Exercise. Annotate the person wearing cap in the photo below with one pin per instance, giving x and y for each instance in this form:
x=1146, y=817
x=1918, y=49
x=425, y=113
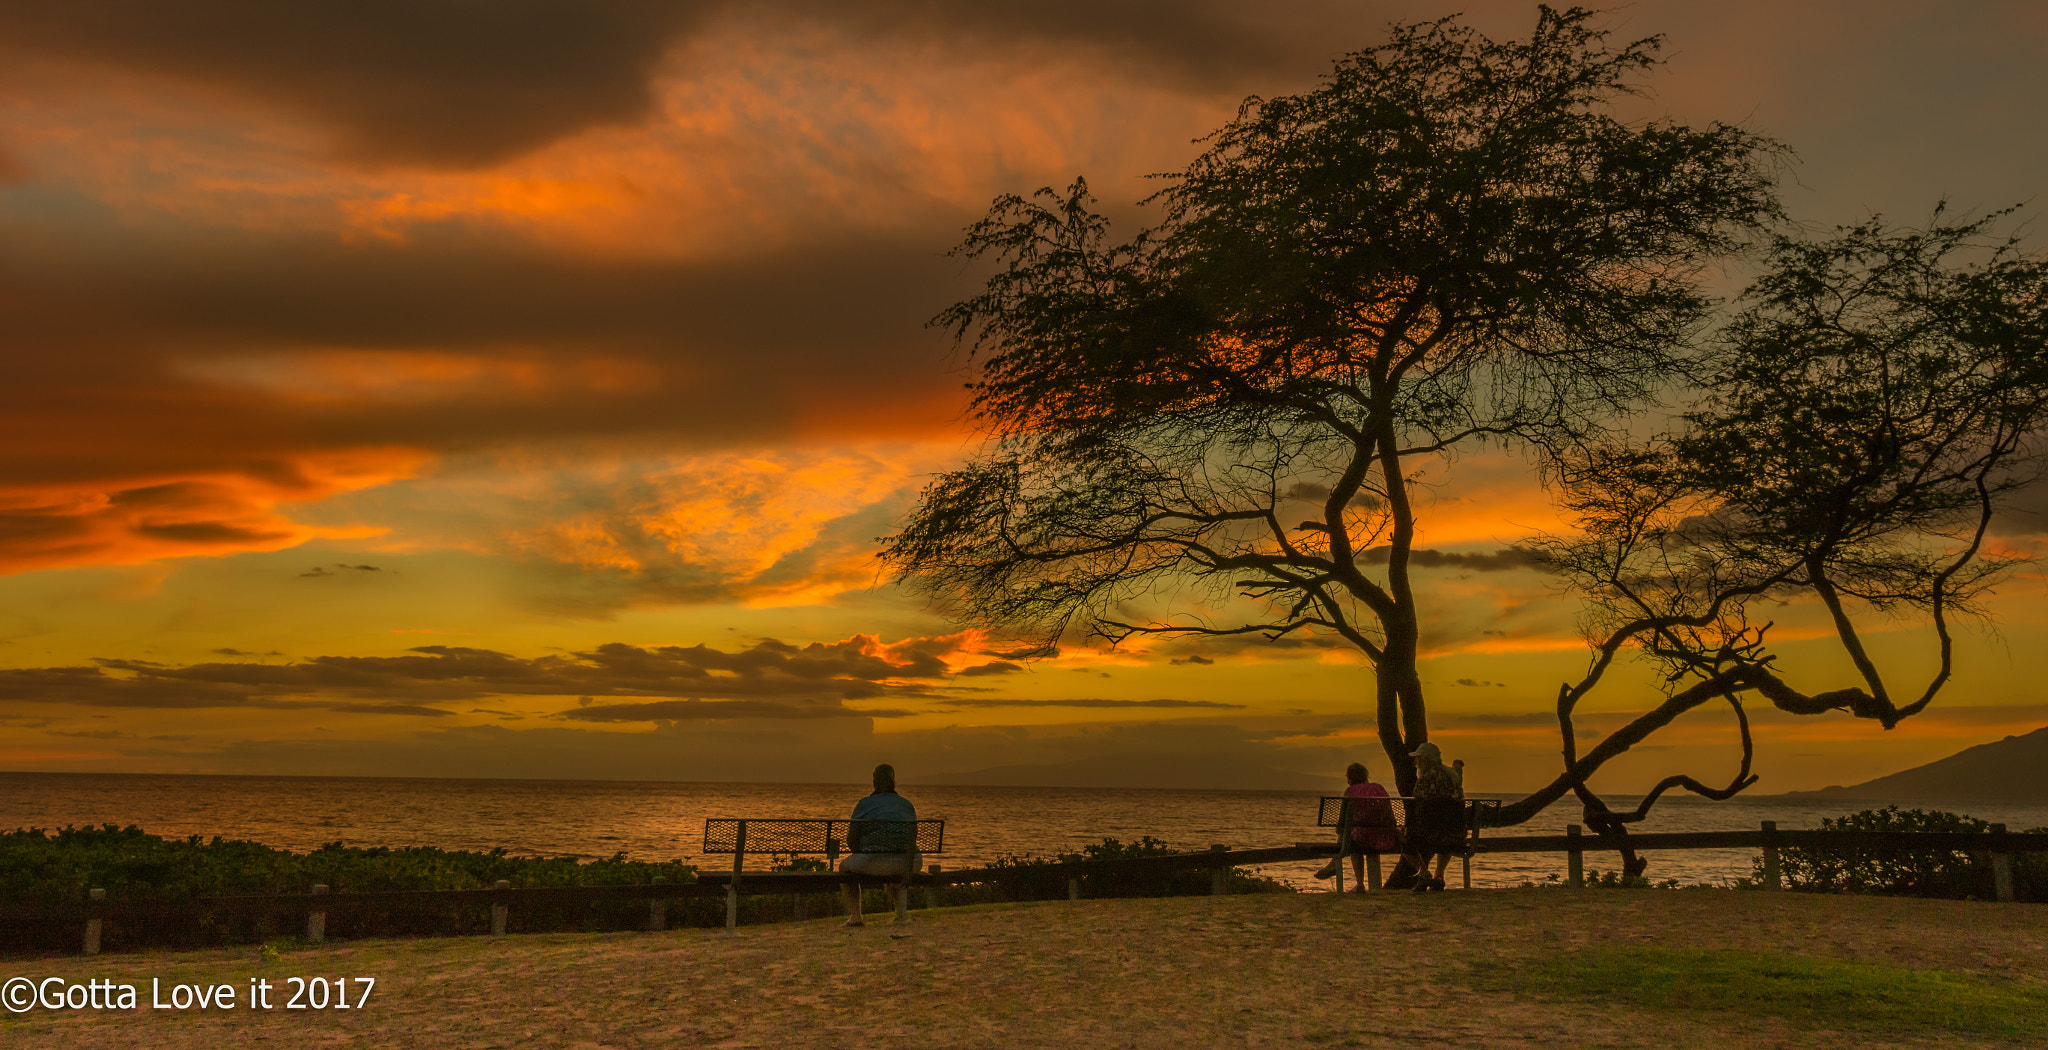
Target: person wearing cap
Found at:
x=1436, y=817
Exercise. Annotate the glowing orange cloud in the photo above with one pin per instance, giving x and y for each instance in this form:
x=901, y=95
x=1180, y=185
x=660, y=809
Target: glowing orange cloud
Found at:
x=145, y=518
x=764, y=527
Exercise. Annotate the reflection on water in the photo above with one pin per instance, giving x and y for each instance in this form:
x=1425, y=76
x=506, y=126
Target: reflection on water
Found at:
x=657, y=821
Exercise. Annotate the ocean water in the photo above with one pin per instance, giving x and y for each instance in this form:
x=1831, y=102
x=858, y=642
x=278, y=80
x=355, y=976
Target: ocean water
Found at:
x=662, y=821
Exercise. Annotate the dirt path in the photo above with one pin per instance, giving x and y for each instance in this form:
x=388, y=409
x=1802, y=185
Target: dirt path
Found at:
x=1278, y=970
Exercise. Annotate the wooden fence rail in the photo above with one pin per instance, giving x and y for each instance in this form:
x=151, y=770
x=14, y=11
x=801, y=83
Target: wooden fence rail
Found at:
x=314, y=907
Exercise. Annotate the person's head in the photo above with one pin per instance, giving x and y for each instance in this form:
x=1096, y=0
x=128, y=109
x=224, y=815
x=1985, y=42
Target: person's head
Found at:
x=885, y=778
x=1355, y=773
x=1427, y=755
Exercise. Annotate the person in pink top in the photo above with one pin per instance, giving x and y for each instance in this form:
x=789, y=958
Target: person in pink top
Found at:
x=1372, y=824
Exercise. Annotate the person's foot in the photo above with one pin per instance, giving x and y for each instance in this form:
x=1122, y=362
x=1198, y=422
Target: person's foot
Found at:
x=1436, y=884
x=1328, y=871
x=1421, y=885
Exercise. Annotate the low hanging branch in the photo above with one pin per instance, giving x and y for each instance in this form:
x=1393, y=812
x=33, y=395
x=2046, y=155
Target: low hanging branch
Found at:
x=1866, y=415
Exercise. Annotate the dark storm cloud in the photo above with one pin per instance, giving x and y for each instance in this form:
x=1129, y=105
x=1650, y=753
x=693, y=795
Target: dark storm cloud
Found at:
x=437, y=81
x=719, y=353
x=167, y=688
x=697, y=710
x=994, y=667
x=452, y=83
x=770, y=679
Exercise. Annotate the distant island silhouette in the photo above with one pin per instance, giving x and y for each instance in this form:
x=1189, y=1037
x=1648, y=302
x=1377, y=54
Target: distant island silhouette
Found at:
x=2011, y=770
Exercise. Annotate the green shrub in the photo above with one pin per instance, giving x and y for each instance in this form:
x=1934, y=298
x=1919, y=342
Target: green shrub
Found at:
x=40, y=867
x=1041, y=878
x=44, y=879
x=1904, y=872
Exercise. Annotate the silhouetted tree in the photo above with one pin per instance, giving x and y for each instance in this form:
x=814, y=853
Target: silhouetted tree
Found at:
x=1857, y=424
x=1452, y=241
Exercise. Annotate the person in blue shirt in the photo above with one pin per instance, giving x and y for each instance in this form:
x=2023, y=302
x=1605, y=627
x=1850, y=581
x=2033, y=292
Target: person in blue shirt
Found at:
x=882, y=841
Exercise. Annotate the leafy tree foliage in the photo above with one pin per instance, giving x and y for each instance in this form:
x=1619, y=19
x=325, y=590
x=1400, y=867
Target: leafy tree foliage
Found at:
x=1453, y=241
x=1450, y=240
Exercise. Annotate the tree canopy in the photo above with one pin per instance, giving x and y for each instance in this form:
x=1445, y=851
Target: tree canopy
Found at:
x=1453, y=241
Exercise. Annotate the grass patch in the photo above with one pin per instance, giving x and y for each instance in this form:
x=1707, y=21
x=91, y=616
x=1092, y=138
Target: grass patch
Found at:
x=1804, y=991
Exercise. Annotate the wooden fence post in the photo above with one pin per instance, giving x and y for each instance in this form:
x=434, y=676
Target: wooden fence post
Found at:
x=1372, y=871
x=732, y=890
x=657, y=908
x=1575, y=858
x=2001, y=867
x=1073, y=887
x=96, y=901
x=316, y=917
x=1219, y=876
x=931, y=889
x=499, y=906
x=1772, y=879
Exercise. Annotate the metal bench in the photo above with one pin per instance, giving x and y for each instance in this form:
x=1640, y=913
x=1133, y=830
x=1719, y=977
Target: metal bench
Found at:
x=1340, y=812
x=791, y=837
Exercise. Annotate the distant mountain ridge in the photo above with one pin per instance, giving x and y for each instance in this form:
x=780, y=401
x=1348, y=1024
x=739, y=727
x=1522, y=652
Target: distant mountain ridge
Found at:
x=2011, y=770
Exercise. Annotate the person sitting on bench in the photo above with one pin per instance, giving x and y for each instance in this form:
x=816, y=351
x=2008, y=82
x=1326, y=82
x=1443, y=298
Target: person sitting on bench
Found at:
x=879, y=849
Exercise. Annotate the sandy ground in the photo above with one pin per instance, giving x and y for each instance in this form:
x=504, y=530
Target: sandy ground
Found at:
x=1388, y=969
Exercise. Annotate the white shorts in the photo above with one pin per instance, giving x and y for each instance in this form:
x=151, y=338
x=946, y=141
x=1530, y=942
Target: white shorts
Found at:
x=880, y=863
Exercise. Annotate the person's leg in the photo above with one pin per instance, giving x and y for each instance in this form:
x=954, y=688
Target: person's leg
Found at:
x=849, y=892
x=1443, y=860
x=1358, y=871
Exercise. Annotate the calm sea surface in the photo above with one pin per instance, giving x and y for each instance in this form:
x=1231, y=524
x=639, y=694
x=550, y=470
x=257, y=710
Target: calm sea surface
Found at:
x=660, y=821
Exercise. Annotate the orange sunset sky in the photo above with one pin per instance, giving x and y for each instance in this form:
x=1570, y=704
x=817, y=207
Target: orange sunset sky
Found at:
x=518, y=389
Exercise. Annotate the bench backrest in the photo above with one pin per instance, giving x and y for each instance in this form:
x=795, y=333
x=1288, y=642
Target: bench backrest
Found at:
x=830, y=837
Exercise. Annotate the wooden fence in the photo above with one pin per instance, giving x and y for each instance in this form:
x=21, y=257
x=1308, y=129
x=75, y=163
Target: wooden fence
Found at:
x=313, y=908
